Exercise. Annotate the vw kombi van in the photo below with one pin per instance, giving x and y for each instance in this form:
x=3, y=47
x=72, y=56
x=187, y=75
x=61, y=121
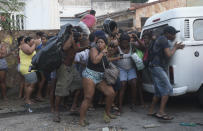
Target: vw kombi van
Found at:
x=185, y=69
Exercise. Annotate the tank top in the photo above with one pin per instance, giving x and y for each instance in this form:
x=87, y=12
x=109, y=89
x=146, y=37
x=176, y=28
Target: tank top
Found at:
x=98, y=67
x=125, y=63
x=25, y=61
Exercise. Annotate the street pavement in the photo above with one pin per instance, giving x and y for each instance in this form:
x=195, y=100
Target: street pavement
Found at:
x=13, y=117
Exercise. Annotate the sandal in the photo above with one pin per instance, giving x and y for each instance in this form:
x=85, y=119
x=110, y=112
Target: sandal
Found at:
x=39, y=99
x=85, y=123
x=115, y=108
x=107, y=119
x=56, y=118
x=118, y=113
x=164, y=117
x=153, y=114
x=112, y=116
x=91, y=109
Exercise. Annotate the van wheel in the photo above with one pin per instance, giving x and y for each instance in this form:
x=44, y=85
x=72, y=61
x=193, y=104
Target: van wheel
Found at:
x=200, y=96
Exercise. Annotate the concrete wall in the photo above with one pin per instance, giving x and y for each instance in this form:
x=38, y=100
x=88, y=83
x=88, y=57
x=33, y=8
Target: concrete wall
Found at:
x=194, y=3
x=13, y=77
x=42, y=15
x=156, y=8
x=68, y=8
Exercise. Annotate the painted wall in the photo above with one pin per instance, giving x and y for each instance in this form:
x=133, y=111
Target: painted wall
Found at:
x=42, y=15
x=68, y=8
x=156, y=8
x=110, y=7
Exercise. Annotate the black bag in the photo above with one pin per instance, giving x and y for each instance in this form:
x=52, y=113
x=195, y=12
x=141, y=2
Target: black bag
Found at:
x=148, y=55
x=50, y=57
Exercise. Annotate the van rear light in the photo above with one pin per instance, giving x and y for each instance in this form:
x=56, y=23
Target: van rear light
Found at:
x=156, y=20
x=171, y=74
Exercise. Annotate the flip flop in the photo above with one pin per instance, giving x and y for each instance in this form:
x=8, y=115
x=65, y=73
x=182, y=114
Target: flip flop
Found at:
x=164, y=117
x=85, y=123
x=153, y=114
x=56, y=118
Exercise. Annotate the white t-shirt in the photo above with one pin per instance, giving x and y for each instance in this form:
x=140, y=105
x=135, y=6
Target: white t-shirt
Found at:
x=82, y=56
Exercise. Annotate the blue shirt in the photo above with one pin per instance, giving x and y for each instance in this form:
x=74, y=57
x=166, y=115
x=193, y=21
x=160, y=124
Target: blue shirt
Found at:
x=160, y=58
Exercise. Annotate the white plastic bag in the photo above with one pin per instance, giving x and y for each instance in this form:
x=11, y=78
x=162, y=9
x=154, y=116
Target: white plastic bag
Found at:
x=138, y=61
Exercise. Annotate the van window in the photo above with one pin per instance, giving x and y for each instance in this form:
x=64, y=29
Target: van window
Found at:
x=157, y=31
x=198, y=30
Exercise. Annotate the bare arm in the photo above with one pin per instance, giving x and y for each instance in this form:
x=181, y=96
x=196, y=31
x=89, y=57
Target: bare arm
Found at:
x=95, y=56
x=170, y=52
x=114, y=58
x=27, y=49
x=82, y=48
x=68, y=43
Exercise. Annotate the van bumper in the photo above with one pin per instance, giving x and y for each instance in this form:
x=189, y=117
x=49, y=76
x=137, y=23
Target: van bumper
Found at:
x=176, y=91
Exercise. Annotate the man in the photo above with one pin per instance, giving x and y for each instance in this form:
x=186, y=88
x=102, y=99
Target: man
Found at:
x=87, y=22
x=161, y=51
x=68, y=78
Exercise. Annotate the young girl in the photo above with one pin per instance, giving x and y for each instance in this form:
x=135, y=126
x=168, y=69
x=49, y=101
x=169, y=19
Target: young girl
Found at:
x=127, y=70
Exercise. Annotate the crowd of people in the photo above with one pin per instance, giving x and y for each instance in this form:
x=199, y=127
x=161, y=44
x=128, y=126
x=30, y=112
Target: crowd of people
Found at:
x=81, y=74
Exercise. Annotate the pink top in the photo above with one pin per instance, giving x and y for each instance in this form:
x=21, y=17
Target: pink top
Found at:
x=89, y=20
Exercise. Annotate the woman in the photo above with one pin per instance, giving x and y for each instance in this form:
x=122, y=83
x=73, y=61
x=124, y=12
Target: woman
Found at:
x=27, y=51
x=3, y=69
x=22, y=81
x=92, y=76
x=127, y=70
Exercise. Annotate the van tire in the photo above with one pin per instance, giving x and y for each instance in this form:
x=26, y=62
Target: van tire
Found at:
x=200, y=96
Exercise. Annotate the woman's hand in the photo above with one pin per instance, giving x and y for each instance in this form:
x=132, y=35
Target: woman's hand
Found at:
x=104, y=51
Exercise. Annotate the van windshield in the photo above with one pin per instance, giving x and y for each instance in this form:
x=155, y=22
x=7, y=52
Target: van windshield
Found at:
x=198, y=30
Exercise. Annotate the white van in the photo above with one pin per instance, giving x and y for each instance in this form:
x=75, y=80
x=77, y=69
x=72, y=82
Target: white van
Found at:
x=185, y=68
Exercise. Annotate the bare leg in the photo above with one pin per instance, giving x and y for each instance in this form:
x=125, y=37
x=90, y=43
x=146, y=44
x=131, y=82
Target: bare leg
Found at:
x=22, y=85
x=52, y=94
x=164, y=100
x=109, y=93
x=3, y=84
x=139, y=83
x=75, y=100
x=152, y=106
x=133, y=90
x=28, y=92
x=89, y=89
x=41, y=85
x=121, y=94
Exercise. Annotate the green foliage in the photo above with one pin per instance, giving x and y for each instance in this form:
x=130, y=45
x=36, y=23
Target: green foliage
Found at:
x=139, y=1
x=7, y=8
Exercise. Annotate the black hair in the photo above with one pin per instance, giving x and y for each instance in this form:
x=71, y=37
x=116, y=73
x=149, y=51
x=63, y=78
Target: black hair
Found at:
x=92, y=12
x=124, y=36
x=92, y=37
x=19, y=39
x=45, y=35
x=40, y=33
x=103, y=38
x=148, y=34
x=28, y=39
x=112, y=25
x=78, y=29
x=120, y=31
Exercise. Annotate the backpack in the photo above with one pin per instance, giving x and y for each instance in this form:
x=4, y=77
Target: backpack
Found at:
x=50, y=57
x=148, y=55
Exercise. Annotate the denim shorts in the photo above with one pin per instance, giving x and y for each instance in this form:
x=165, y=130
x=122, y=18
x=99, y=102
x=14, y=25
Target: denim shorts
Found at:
x=162, y=85
x=31, y=77
x=95, y=76
x=126, y=75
